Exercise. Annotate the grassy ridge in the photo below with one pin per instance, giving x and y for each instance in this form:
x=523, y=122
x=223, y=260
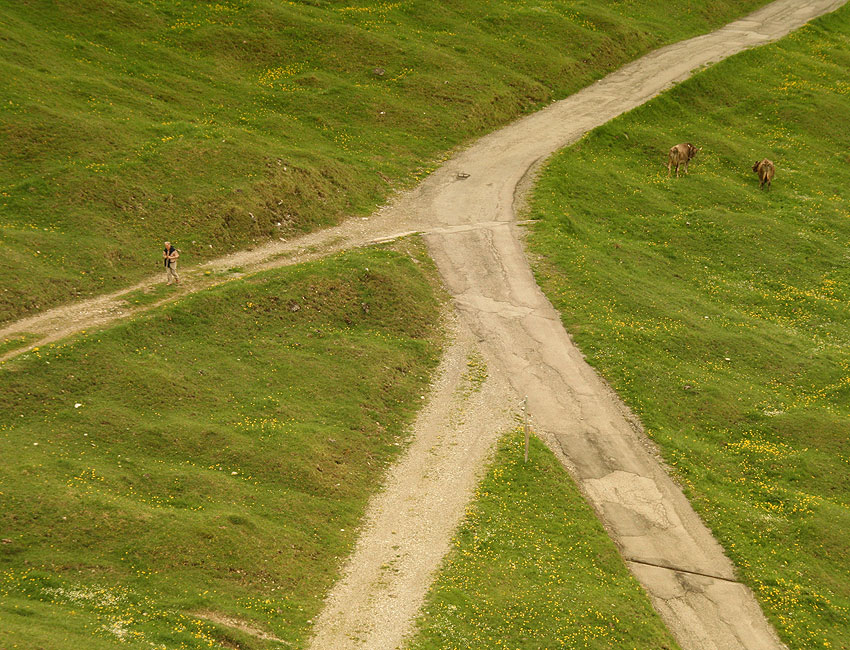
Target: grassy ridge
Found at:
x=215, y=124
x=210, y=459
x=533, y=568
x=720, y=313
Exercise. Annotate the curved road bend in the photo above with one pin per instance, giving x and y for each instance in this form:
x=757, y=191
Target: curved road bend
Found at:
x=477, y=248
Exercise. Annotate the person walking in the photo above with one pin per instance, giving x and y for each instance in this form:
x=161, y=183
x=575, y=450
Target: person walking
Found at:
x=169, y=259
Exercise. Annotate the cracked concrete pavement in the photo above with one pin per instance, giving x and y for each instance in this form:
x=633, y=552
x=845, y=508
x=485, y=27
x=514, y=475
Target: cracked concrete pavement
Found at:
x=665, y=544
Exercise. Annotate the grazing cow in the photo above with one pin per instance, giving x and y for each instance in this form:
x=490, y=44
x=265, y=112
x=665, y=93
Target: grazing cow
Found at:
x=765, y=169
x=680, y=154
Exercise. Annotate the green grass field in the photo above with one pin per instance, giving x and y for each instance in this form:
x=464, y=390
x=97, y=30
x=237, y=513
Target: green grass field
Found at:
x=14, y=342
x=216, y=124
x=212, y=458
x=532, y=568
x=720, y=312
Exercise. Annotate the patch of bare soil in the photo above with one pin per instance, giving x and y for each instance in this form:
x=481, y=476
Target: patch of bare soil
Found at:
x=238, y=624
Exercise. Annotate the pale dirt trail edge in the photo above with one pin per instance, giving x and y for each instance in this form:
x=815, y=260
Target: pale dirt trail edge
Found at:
x=469, y=225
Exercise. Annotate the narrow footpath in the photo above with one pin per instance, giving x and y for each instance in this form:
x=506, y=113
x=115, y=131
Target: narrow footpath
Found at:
x=467, y=212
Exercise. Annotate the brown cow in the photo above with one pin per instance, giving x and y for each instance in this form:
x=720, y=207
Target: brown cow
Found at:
x=680, y=154
x=765, y=169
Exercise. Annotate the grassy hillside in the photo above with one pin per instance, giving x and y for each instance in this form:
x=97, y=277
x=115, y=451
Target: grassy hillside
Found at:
x=215, y=124
x=533, y=568
x=209, y=460
x=720, y=312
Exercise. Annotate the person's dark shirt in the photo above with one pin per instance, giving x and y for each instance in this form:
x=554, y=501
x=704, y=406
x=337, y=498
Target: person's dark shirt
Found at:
x=168, y=251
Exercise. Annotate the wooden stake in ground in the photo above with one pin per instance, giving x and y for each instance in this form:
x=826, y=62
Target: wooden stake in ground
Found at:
x=525, y=424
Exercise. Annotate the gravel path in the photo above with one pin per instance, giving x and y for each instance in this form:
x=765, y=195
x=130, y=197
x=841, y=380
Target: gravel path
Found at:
x=470, y=208
x=409, y=525
x=467, y=211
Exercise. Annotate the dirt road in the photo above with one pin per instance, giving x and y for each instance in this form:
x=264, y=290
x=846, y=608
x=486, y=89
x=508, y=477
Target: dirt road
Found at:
x=410, y=523
x=469, y=206
x=467, y=210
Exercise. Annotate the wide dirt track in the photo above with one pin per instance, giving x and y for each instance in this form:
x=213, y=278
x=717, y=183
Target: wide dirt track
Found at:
x=467, y=211
x=474, y=239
